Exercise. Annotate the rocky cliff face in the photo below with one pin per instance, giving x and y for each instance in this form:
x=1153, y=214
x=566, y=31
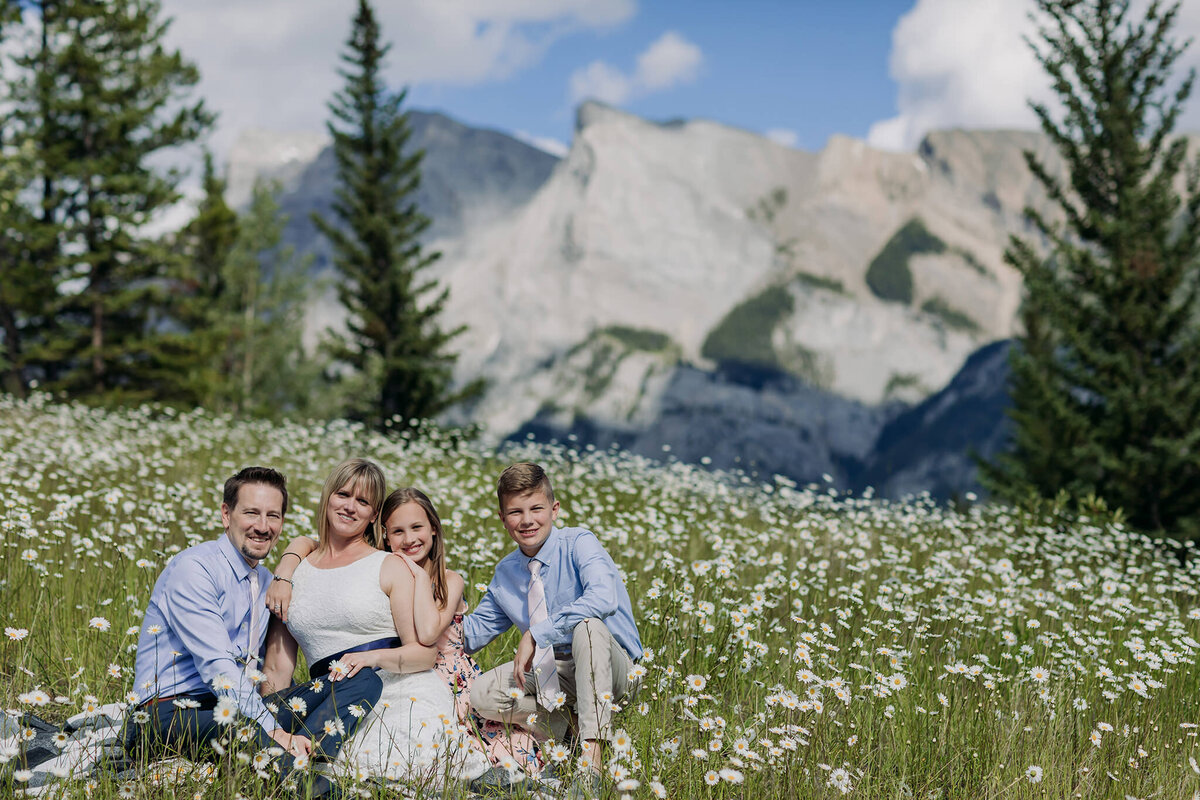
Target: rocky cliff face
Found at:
x=767, y=422
x=758, y=420
x=867, y=274
x=700, y=287
x=932, y=447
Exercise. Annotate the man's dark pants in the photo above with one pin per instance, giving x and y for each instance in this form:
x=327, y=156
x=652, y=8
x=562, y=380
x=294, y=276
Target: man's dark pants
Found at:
x=174, y=730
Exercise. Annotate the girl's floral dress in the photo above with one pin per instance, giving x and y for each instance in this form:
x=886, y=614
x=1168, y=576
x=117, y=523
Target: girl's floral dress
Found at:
x=459, y=671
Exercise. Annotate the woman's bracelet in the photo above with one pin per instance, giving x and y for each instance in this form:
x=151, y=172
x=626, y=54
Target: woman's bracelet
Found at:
x=281, y=578
x=297, y=555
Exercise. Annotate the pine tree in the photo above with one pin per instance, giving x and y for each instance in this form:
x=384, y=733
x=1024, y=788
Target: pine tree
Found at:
x=1106, y=381
x=27, y=284
x=205, y=244
x=100, y=97
x=262, y=313
x=239, y=303
x=190, y=359
x=27, y=288
x=393, y=307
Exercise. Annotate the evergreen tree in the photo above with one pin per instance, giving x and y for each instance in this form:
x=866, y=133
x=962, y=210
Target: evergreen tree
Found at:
x=205, y=243
x=239, y=302
x=262, y=313
x=27, y=285
x=27, y=289
x=393, y=307
x=1106, y=381
x=190, y=358
x=101, y=96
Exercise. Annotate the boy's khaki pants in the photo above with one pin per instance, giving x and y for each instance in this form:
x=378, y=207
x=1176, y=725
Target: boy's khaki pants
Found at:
x=595, y=677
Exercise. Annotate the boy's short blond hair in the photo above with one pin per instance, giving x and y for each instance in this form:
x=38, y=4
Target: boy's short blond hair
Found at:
x=523, y=478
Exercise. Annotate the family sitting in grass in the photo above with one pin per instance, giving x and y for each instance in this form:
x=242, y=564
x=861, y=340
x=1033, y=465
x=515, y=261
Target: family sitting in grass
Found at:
x=393, y=692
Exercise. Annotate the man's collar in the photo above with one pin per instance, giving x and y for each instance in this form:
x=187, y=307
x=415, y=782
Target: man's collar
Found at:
x=237, y=562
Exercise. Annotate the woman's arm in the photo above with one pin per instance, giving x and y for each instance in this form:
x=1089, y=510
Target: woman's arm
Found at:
x=279, y=593
x=429, y=620
x=279, y=662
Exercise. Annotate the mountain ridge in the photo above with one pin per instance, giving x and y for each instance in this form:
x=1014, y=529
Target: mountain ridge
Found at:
x=626, y=291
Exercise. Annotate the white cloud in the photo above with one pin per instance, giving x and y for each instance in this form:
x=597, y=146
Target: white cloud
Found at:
x=547, y=144
x=960, y=63
x=783, y=136
x=271, y=63
x=601, y=81
x=669, y=61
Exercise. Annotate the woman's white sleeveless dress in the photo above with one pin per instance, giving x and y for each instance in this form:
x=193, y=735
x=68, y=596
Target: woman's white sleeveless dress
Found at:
x=412, y=734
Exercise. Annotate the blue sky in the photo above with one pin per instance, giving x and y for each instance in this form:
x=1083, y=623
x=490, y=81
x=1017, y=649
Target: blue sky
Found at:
x=814, y=68
x=799, y=70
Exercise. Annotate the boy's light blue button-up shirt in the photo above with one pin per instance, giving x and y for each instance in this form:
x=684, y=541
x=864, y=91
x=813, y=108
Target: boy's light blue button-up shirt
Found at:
x=197, y=628
x=581, y=582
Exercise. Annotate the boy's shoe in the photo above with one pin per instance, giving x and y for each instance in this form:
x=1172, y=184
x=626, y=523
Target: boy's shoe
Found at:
x=496, y=782
x=585, y=786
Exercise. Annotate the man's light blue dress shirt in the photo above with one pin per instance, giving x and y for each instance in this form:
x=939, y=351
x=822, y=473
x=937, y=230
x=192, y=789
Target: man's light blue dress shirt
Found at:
x=581, y=582
x=197, y=628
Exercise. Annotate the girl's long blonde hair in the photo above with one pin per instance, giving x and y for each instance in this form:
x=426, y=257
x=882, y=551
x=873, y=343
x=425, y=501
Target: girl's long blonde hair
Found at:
x=435, y=562
x=364, y=475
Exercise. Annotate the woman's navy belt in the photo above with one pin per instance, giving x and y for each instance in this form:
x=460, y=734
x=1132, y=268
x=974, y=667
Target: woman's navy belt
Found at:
x=320, y=668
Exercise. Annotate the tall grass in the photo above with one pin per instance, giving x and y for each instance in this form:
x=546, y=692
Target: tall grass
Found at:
x=799, y=643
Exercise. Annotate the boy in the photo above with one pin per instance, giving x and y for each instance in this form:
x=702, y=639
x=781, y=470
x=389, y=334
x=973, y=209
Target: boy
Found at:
x=579, y=643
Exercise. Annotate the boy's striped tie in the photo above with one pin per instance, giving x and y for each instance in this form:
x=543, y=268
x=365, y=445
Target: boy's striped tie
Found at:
x=543, y=657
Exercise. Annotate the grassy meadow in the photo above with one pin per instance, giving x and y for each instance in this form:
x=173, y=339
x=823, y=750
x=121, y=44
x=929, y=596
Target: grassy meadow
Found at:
x=800, y=643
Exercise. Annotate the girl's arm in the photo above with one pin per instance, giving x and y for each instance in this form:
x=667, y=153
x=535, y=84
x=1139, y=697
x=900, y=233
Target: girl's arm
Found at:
x=279, y=593
x=397, y=583
x=454, y=596
x=429, y=620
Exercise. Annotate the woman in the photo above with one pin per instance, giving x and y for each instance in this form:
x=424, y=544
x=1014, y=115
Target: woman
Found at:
x=350, y=601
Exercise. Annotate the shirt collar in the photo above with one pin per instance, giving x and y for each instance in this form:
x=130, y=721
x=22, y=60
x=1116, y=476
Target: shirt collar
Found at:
x=235, y=559
x=546, y=551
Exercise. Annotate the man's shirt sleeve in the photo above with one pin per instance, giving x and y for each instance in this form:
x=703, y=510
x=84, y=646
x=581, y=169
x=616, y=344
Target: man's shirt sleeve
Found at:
x=190, y=605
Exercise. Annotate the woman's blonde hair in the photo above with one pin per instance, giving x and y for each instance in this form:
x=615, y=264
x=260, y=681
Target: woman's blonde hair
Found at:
x=435, y=562
x=363, y=475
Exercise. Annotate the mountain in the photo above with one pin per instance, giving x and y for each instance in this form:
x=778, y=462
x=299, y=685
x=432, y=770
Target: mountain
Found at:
x=699, y=288
x=867, y=274
x=768, y=423
x=762, y=421
x=469, y=176
x=932, y=446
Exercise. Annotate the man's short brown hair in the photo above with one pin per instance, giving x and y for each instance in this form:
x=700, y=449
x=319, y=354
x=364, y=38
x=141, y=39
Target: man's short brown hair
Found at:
x=263, y=475
x=523, y=478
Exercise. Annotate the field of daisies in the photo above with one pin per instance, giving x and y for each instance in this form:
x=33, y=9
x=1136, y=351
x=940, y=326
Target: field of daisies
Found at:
x=799, y=643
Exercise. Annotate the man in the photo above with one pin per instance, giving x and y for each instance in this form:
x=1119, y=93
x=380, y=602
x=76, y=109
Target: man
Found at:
x=201, y=639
